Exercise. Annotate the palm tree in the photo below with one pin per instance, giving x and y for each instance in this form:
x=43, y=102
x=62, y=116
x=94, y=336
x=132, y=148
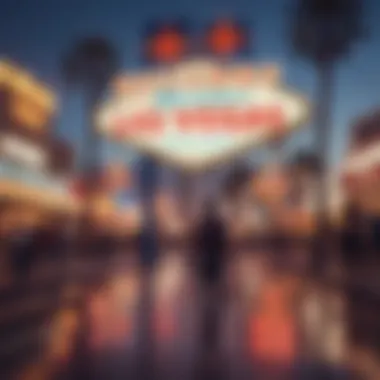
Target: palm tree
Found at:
x=323, y=32
x=89, y=65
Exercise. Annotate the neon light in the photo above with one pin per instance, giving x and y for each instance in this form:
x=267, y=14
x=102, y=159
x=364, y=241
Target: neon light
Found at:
x=150, y=122
x=212, y=98
x=229, y=120
x=204, y=120
x=200, y=112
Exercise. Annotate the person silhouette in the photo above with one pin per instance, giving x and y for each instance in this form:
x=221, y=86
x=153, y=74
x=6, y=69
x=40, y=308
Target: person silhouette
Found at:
x=23, y=249
x=211, y=246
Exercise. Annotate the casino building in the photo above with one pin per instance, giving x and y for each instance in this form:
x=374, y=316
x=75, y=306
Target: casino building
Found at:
x=361, y=177
x=35, y=166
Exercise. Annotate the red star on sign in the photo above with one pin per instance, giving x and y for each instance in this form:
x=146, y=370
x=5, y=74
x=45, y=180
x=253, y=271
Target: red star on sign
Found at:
x=225, y=38
x=167, y=46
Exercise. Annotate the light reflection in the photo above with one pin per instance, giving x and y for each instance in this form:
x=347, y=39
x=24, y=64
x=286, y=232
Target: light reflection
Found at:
x=169, y=282
x=63, y=329
x=268, y=311
x=112, y=312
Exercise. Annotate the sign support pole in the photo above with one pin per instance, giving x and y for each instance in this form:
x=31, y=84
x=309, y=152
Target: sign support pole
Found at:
x=148, y=251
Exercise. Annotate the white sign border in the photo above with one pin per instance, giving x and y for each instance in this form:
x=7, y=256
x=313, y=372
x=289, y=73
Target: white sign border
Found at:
x=173, y=160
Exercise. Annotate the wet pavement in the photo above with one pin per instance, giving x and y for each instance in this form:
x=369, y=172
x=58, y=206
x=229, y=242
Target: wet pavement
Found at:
x=270, y=321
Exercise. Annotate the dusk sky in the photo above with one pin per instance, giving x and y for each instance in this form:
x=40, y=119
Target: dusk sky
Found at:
x=36, y=33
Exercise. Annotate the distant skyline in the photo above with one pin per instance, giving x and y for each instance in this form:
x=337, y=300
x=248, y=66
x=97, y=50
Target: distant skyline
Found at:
x=36, y=33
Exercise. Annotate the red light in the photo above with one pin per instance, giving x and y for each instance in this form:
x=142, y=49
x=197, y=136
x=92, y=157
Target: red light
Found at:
x=225, y=38
x=167, y=46
x=273, y=339
x=164, y=325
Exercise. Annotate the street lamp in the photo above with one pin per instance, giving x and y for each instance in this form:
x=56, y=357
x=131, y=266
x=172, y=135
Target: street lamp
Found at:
x=323, y=32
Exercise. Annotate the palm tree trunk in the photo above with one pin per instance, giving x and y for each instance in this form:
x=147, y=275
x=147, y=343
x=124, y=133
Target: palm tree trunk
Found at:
x=90, y=149
x=148, y=177
x=323, y=133
x=91, y=146
x=89, y=160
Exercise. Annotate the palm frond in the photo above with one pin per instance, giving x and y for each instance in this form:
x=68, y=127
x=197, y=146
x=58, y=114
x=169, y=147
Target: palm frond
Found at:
x=92, y=58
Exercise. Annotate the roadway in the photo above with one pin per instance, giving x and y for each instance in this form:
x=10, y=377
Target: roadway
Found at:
x=274, y=322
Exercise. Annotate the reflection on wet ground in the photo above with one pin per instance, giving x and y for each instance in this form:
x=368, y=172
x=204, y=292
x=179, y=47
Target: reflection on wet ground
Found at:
x=272, y=324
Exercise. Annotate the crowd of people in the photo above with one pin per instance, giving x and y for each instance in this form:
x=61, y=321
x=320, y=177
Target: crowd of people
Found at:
x=357, y=240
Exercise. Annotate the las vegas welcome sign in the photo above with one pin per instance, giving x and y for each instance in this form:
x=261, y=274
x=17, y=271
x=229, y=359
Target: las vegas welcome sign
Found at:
x=200, y=113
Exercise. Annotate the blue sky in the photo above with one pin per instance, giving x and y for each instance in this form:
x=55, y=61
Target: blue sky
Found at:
x=36, y=33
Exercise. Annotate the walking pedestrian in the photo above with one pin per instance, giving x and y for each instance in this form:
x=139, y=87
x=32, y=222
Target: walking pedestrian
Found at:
x=211, y=246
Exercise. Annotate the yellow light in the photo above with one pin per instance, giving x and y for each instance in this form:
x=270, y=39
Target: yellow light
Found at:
x=25, y=113
x=33, y=103
x=63, y=329
x=102, y=206
x=13, y=190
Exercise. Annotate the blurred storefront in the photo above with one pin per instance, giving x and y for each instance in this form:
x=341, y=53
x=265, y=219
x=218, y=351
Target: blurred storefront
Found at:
x=35, y=166
x=122, y=193
x=361, y=177
x=37, y=211
x=294, y=213
x=361, y=167
x=112, y=208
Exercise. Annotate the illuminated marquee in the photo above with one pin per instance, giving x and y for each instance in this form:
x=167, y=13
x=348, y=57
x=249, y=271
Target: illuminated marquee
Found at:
x=31, y=103
x=10, y=171
x=198, y=113
x=205, y=120
x=22, y=151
